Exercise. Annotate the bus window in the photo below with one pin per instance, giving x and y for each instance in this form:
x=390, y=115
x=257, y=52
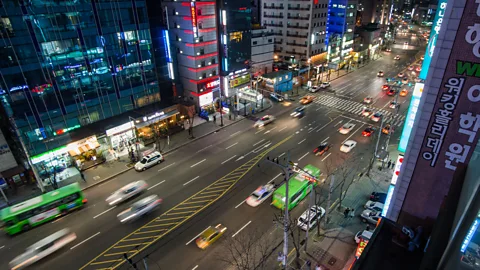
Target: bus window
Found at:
x=295, y=197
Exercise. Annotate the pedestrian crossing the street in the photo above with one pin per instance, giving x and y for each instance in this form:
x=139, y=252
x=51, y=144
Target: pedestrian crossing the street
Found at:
x=354, y=107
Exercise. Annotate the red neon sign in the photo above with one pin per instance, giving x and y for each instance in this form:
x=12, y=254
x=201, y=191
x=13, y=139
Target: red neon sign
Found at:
x=213, y=84
x=193, y=11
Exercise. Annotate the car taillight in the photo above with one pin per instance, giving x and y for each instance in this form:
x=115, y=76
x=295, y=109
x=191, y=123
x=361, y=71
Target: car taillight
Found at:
x=84, y=200
x=316, y=150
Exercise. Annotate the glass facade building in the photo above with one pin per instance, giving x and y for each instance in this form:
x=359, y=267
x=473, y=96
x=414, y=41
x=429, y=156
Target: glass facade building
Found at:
x=67, y=64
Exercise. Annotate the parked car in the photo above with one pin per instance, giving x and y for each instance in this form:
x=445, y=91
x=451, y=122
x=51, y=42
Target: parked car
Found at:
x=314, y=89
x=400, y=75
x=316, y=213
x=370, y=216
x=149, y=161
x=324, y=85
x=365, y=235
x=377, y=206
x=378, y=197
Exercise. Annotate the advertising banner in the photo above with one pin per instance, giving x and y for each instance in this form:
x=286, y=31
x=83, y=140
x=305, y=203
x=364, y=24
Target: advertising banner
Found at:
x=240, y=80
x=432, y=41
x=409, y=120
x=452, y=132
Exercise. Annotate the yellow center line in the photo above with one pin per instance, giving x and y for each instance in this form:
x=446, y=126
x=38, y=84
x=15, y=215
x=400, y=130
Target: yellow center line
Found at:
x=213, y=191
x=188, y=207
x=118, y=253
x=174, y=218
x=201, y=197
x=133, y=245
x=181, y=213
x=154, y=231
x=139, y=238
x=198, y=201
x=251, y=163
x=222, y=186
x=163, y=224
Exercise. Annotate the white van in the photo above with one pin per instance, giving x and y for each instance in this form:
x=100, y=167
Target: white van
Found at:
x=43, y=248
x=365, y=235
x=149, y=160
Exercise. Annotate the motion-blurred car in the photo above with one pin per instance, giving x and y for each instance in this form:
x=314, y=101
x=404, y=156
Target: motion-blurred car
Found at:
x=403, y=93
x=43, y=248
x=260, y=195
x=310, y=221
x=321, y=149
x=370, y=216
x=307, y=99
x=276, y=97
x=410, y=68
x=386, y=87
x=347, y=146
x=393, y=105
x=367, y=100
x=368, y=131
x=149, y=161
x=139, y=208
x=397, y=57
x=376, y=117
x=378, y=197
x=386, y=129
x=366, y=112
x=388, y=50
x=265, y=120
x=380, y=74
x=346, y=128
x=298, y=112
x=127, y=192
x=400, y=75
x=314, y=89
x=391, y=92
x=210, y=235
x=377, y=206
x=324, y=85
x=362, y=235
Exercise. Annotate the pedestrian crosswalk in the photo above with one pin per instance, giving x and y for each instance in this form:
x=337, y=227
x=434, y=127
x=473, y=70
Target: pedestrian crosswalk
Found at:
x=354, y=107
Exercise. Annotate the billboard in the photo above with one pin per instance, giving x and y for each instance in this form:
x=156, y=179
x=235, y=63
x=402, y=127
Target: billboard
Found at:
x=409, y=120
x=452, y=131
x=432, y=41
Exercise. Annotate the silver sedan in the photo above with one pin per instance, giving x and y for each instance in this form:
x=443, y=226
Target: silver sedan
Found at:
x=127, y=192
x=139, y=208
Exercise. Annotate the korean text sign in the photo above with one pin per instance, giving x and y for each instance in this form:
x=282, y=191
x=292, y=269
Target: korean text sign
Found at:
x=452, y=132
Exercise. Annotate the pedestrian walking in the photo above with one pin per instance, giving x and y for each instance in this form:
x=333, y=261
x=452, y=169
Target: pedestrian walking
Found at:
x=345, y=213
x=393, y=165
x=389, y=164
x=83, y=177
x=318, y=267
x=352, y=213
x=309, y=264
x=215, y=119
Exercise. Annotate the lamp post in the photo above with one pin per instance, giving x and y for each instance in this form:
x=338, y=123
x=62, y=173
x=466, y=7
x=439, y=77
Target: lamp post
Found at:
x=309, y=64
x=132, y=122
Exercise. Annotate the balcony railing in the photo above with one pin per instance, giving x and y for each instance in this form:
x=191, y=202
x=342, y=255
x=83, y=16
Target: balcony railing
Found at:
x=292, y=52
x=297, y=44
x=298, y=8
x=296, y=35
x=298, y=18
x=274, y=24
x=272, y=16
x=273, y=7
x=297, y=26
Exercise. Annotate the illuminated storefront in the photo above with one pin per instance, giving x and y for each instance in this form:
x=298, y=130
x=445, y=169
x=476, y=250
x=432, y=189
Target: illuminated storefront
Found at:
x=157, y=125
x=121, y=136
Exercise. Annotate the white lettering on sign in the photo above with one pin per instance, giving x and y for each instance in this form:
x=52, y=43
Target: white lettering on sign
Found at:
x=155, y=115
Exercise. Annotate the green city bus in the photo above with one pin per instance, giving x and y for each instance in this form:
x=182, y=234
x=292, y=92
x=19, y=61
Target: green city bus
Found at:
x=46, y=207
x=298, y=187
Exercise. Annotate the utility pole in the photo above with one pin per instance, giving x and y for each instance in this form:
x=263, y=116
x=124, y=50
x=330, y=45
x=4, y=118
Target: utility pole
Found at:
x=330, y=191
x=378, y=138
x=309, y=211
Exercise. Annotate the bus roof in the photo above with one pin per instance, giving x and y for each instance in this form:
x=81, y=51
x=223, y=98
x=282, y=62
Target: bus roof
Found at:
x=298, y=181
x=40, y=200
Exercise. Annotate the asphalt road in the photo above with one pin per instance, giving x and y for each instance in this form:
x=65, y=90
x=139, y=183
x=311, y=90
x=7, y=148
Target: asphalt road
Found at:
x=200, y=163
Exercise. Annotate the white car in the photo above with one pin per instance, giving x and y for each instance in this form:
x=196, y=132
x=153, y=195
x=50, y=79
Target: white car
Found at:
x=139, y=208
x=314, y=89
x=43, y=248
x=370, y=216
x=397, y=57
x=127, y=192
x=316, y=213
x=366, y=112
x=410, y=68
x=260, y=195
x=149, y=161
x=367, y=100
x=405, y=80
x=267, y=119
x=377, y=206
x=348, y=146
x=346, y=128
x=324, y=85
x=365, y=235
x=400, y=75
x=376, y=117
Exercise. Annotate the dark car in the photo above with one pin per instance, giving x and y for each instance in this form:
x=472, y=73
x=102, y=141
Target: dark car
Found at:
x=276, y=97
x=368, y=131
x=320, y=150
x=391, y=92
x=298, y=112
x=378, y=197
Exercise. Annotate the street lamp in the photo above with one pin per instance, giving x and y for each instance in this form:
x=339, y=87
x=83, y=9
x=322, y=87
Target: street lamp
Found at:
x=133, y=126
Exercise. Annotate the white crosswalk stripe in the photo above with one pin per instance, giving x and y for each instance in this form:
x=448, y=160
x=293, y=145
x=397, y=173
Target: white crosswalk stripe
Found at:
x=354, y=107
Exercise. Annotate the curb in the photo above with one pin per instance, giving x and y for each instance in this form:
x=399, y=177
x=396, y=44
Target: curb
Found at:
x=164, y=153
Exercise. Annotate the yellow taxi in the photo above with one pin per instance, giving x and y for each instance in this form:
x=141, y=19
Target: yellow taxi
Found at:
x=210, y=235
x=307, y=99
x=386, y=129
x=403, y=93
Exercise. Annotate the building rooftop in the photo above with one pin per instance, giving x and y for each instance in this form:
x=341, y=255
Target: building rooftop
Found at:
x=276, y=74
x=388, y=249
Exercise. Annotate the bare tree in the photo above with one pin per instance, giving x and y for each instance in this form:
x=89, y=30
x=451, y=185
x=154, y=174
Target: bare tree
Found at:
x=346, y=175
x=294, y=232
x=247, y=250
x=189, y=112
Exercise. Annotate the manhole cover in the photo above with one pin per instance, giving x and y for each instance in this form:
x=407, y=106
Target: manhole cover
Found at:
x=96, y=178
x=332, y=261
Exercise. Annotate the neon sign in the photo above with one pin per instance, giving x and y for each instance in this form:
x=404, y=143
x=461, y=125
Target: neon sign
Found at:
x=193, y=11
x=213, y=84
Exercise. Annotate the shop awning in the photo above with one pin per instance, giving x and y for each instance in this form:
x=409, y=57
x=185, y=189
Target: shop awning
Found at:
x=155, y=120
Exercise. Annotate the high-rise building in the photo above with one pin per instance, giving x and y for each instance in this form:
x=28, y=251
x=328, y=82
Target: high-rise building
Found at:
x=68, y=64
x=299, y=26
x=193, y=47
x=376, y=11
x=340, y=31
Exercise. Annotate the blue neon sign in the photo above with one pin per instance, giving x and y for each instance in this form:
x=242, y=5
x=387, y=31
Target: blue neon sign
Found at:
x=391, y=188
x=469, y=235
x=432, y=41
x=409, y=120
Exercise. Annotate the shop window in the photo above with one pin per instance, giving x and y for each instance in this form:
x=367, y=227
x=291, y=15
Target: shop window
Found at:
x=202, y=63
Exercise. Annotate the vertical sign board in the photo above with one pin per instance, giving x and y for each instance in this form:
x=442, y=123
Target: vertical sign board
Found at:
x=193, y=11
x=452, y=132
x=409, y=120
x=432, y=41
x=7, y=161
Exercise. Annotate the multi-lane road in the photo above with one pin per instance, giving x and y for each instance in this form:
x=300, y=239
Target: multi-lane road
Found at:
x=223, y=168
